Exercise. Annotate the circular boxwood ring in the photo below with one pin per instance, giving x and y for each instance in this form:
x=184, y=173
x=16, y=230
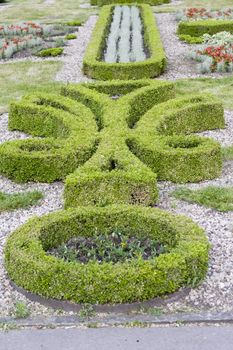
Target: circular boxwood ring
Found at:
x=31, y=268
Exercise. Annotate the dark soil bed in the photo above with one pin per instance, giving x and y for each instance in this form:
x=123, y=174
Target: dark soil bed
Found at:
x=114, y=247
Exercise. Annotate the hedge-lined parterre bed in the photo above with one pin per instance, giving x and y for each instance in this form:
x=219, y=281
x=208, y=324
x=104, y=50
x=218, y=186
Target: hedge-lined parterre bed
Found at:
x=184, y=263
x=109, y=2
x=193, y=31
x=112, y=150
x=95, y=67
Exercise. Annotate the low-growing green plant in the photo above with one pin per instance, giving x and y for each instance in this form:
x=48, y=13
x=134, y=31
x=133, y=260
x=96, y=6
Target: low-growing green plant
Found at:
x=113, y=247
x=52, y=52
x=87, y=311
x=19, y=200
x=21, y=310
x=71, y=36
x=75, y=23
x=227, y=153
x=191, y=39
x=219, y=198
x=59, y=42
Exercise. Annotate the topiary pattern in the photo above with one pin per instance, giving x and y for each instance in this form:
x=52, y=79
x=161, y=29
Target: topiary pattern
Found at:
x=110, y=141
x=112, y=150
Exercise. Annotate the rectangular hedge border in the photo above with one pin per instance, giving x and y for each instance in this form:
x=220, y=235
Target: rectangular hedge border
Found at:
x=152, y=67
x=210, y=26
x=109, y=2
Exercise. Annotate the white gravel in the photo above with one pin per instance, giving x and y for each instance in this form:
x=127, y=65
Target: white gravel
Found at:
x=72, y=68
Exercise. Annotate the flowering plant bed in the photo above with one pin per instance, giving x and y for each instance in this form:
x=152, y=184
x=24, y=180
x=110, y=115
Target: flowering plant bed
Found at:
x=196, y=14
x=194, y=23
x=216, y=55
x=29, y=38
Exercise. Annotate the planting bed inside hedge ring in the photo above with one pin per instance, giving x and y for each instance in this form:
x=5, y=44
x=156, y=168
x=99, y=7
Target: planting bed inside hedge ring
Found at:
x=112, y=150
x=31, y=267
x=196, y=29
x=134, y=34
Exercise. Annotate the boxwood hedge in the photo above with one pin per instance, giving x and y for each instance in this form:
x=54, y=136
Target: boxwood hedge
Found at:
x=95, y=68
x=184, y=263
x=112, y=150
x=149, y=2
x=196, y=29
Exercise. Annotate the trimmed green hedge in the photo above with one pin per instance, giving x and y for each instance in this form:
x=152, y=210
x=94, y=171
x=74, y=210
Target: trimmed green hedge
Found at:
x=185, y=262
x=111, y=151
x=153, y=66
x=198, y=28
x=109, y=2
x=67, y=131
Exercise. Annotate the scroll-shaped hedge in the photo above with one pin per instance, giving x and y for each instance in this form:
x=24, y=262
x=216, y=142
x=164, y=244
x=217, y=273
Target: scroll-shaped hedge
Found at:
x=184, y=263
x=95, y=67
x=113, y=149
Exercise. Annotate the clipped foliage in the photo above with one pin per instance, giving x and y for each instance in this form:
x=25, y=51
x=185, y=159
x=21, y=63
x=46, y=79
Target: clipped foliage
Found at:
x=109, y=2
x=95, y=67
x=184, y=263
x=53, y=52
x=113, y=149
x=199, y=28
x=71, y=36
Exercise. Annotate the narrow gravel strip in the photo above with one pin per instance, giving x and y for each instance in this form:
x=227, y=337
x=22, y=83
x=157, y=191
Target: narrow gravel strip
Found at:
x=216, y=291
x=74, y=53
x=10, y=220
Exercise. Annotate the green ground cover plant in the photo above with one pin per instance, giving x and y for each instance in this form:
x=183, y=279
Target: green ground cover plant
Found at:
x=52, y=52
x=19, y=200
x=219, y=198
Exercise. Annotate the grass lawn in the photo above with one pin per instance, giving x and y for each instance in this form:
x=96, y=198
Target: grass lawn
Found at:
x=222, y=88
x=218, y=198
x=214, y=4
x=17, y=79
x=37, y=10
x=19, y=200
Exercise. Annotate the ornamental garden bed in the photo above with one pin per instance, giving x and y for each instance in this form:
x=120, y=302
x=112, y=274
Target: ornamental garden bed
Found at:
x=135, y=279
x=110, y=143
x=30, y=38
x=125, y=45
x=194, y=23
x=112, y=163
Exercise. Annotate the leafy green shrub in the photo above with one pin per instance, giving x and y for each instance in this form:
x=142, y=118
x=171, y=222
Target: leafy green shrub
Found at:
x=184, y=263
x=94, y=67
x=219, y=198
x=108, y=2
x=71, y=36
x=75, y=23
x=54, y=51
x=191, y=39
x=199, y=28
x=108, y=159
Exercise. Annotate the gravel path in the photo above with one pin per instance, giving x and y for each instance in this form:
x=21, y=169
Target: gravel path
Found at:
x=72, y=68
